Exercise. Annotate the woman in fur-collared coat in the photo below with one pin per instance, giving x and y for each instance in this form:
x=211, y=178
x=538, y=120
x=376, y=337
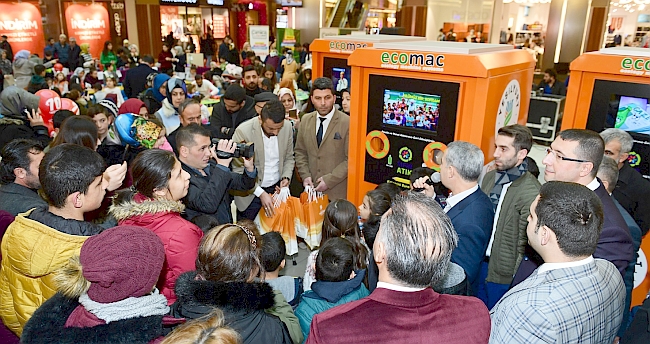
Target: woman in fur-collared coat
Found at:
x=159, y=183
x=227, y=265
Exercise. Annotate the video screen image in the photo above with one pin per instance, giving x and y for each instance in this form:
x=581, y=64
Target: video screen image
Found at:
x=633, y=115
x=341, y=78
x=411, y=110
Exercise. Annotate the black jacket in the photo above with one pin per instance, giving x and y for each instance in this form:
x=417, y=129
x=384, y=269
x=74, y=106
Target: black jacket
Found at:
x=73, y=57
x=209, y=194
x=631, y=192
x=135, y=80
x=16, y=199
x=222, y=119
x=558, y=87
x=47, y=325
x=243, y=305
x=13, y=128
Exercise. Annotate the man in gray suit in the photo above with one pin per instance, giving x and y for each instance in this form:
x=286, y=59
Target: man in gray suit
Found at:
x=322, y=143
x=273, y=139
x=572, y=297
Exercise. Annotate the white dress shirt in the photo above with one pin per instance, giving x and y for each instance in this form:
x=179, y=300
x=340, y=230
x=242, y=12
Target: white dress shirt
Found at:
x=326, y=123
x=396, y=287
x=455, y=199
x=271, y=163
x=553, y=266
x=496, y=217
x=593, y=185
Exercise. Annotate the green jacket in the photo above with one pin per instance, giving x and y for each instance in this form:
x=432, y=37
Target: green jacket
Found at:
x=510, y=234
x=284, y=311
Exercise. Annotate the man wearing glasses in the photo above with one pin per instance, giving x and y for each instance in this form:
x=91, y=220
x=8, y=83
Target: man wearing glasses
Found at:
x=575, y=156
x=511, y=189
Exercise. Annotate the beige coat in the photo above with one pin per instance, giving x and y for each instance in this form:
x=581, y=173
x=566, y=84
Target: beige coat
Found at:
x=251, y=131
x=330, y=160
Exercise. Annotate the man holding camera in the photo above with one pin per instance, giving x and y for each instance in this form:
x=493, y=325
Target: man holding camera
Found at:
x=210, y=176
x=273, y=136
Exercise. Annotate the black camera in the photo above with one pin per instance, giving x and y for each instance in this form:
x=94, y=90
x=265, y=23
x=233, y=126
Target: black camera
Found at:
x=242, y=150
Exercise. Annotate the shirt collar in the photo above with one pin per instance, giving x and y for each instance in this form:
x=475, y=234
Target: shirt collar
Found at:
x=546, y=267
x=455, y=199
x=396, y=287
x=329, y=115
x=593, y=185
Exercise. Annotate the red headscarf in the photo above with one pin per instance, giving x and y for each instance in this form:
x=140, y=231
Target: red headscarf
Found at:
x=132, y=105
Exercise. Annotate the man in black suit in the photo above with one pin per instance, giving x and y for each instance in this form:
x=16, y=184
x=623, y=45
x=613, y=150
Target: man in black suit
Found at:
x=631, y=188
x=136, y=78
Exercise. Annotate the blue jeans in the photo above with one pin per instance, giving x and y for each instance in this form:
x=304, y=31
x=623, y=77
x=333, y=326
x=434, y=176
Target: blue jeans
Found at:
x=488, y=292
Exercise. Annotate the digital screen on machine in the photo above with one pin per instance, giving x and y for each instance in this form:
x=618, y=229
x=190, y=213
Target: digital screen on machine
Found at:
x=633, y=115
x=411, y=110
x=341, y=78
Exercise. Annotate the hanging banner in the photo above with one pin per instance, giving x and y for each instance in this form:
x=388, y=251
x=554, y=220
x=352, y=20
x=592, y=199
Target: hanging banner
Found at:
x=89, y=23
x=289, y=38
x=23, y=26
x=259, y=40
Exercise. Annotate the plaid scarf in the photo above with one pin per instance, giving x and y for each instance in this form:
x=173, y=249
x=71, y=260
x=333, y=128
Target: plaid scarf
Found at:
x=504, y=177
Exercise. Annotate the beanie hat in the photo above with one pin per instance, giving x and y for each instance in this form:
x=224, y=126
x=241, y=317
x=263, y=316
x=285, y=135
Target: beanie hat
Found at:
x=110, y=106
x=121, y=262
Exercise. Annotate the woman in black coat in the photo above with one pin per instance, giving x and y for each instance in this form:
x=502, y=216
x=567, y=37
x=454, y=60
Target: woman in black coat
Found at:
x=227, y=266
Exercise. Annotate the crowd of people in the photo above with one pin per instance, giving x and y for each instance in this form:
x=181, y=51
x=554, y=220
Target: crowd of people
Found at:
x=121, y=229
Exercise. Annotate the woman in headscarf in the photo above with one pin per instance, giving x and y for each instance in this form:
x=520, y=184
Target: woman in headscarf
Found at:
x=168, y=113
x=88, y=60
x=135, y=106
x=23, y=68
x=21, y=117
x=78, y=78
x=179, y=60
x=246, y=48
x=154, y=96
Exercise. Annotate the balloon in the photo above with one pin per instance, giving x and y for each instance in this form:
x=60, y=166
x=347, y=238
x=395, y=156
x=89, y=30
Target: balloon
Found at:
x=49, y=104
x=69, y=104
x=58, y=67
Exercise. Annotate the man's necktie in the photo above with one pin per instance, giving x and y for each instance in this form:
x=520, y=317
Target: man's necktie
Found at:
x=319, y=134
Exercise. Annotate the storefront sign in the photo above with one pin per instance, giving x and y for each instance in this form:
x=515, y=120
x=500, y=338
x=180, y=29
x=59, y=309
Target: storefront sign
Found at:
x=413, y=61
x=345, y=47
x=259, y=40
x=89, y=23
x=192, y=2
x=22, y=24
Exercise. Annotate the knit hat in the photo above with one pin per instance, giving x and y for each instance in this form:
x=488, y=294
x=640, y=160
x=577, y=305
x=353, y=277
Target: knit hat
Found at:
x=121, y=262
x=110, y=105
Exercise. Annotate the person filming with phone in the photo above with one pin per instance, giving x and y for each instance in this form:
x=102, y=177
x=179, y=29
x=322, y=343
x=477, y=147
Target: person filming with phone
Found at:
x=208, y=161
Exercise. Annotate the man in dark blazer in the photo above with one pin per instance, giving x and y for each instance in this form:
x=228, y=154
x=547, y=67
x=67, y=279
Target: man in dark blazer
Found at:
x=135, y=80
x=575, y=156
x=322, y=143
x=631, y=189
x=404, y=308
x=469, y=208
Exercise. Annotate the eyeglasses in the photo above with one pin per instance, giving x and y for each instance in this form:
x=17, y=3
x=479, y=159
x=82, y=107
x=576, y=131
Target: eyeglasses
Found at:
x=551, y=151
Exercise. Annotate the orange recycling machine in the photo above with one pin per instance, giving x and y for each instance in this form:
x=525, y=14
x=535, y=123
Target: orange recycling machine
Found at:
x=410, y=99
x=330, y=54
x=611, y=89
